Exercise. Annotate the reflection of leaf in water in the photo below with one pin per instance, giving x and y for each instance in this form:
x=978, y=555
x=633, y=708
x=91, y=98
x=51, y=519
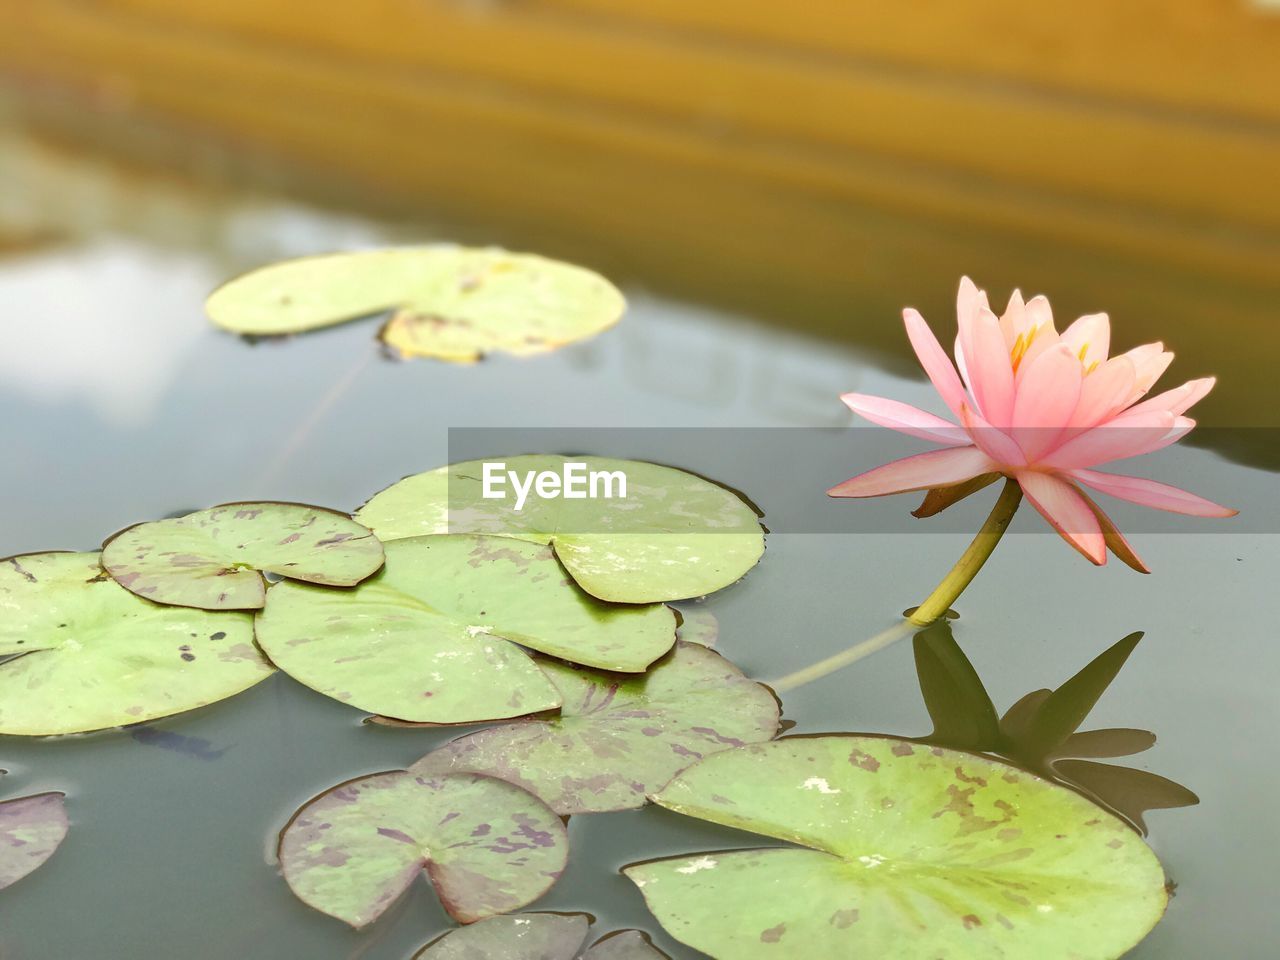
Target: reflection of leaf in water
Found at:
x=538, y=936
x=447, y=302
x=31, y=829
x=1041, y=731
x=898, y=849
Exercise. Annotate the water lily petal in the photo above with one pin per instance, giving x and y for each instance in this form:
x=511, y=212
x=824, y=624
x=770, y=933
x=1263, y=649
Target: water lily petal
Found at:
x=986, y=366
x=1089, y=338
x=1014, y=319
x=1151, y=493
x=937, y=468
x=937, y=365
x=969, y=301
x=995, y=443
x=1178, y=400
x=1114, y=539
x=1045, y=401
x=1150, y=361
x=1128, y=435
x=906, y=419
x=1041, y=333
x=1104, y=393
x=1067, y=512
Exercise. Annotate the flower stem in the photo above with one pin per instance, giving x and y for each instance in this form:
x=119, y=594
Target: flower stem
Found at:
x=937, y=604
x=971, y=561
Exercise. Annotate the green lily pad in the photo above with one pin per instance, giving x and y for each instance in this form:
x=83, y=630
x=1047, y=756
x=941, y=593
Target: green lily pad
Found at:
x=211, y=559
x=904, y=852
x=31, y=829
x=538, y=936
x=436, y=637
x=487, y=847
x=448, y=302
x=619, y=738
x=673, y=536
x=93, y=655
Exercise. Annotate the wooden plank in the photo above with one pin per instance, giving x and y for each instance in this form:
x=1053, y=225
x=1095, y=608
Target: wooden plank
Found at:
x=1185, y=166
x=1218, y=55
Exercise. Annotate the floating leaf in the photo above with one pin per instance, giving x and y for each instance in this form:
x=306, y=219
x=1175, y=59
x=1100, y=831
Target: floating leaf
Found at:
x=673, y=536
x=487, y=847
x=433, y=637
x=619, y=738
x=211, y=559
x=905, y=851
x=1039, y=732
x=91, y=655
x=31, y=828
x=448, y=302
x=538, y=936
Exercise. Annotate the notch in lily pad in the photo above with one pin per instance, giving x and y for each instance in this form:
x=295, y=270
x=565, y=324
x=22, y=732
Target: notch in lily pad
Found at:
x=539, y=936
x=487, y=847
x=439, y=635
x=446, y=302
x=85, y=654
x=674, y=536
x=31, y=829
x=1041, y=732
x=618, y=738
x=898, y=849
x=214, y=559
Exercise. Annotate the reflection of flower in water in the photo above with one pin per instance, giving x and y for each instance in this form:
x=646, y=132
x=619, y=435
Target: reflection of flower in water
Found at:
x=1043, y=409
x=96, y=324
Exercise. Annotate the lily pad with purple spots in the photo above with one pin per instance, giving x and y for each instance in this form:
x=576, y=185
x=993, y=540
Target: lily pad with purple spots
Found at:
x=538, y=936
x=86, y=654
x=447, y=302
x=899, y=851
x=619, y=738
x=31, y=829
x=487, y=847
x=672, y=536
x=213, y=559
x=438, y=635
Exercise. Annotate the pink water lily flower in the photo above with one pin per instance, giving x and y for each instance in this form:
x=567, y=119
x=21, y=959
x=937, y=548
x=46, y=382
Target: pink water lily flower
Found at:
x=1043, y=408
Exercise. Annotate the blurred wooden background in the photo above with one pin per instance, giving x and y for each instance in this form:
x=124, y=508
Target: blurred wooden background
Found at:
x=786, y=159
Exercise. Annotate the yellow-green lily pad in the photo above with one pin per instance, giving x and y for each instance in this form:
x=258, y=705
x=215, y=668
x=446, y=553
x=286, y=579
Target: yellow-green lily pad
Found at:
x=86, y=654
x=538, y=936
x=899, y=851
x=673, y=536
x=452, y=303
x=213, y=559
x=619, y=738
x=437, y=635
x=487, y=847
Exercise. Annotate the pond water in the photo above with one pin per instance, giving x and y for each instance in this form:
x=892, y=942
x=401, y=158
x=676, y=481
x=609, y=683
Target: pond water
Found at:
x=121, y=404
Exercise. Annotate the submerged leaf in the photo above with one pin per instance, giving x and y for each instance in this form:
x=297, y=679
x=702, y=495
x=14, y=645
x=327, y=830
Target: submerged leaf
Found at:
x=91, y=655
x=673, y=536
x=962, y=712
x=449, y=302
x=905, y=852
x=698, y=626
x=1131, y=793
x=211, y=559
x=436, y=637
x=487, y=847
x=31, y=828
x=538, y=936
x=619, y=738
